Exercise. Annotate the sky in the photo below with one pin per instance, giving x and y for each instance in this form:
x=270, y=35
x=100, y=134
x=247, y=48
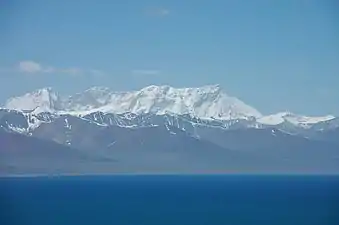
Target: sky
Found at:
x=280, y=55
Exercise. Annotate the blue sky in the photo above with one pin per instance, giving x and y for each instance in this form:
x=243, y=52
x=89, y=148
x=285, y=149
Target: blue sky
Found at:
x=274, y=55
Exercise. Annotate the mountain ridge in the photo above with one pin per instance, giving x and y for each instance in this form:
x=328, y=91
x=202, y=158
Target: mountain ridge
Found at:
x=148, y=142
x=209, y=101
x=158, y=143
x=205, y=102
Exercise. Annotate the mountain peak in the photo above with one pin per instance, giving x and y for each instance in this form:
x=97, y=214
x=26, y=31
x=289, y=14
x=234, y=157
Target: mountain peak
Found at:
x=98, y=89
x=211, y=88
x=41, y=100
x=298, y=120
x=156, y=88
x=46, y=89
x=43, y=92
x=208, y=102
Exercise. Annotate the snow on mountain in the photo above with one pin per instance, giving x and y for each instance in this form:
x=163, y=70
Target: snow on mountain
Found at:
x=297, y=120
x=203, y=102
x=42, y=100
x=207, y=102
x=92, y=98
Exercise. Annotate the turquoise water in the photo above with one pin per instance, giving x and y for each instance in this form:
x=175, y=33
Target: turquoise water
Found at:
x=175, y=200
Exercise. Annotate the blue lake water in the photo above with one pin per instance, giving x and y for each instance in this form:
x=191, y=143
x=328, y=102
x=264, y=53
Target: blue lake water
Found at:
x=170, y=200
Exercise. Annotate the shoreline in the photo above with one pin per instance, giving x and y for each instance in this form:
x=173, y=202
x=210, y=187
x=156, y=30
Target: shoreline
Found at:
x=65, y=175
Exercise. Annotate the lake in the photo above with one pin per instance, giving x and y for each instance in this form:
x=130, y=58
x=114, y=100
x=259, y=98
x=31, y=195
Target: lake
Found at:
x=170, y=200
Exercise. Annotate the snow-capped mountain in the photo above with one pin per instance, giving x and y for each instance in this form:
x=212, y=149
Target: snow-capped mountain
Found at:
x=296, y=120
x=42, y=100
x=207, y=103
x=159, y=142
x=159, y=129
x=204, y=102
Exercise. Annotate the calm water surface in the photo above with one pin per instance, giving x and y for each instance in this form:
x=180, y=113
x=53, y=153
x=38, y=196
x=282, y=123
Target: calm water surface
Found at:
x=170, y=200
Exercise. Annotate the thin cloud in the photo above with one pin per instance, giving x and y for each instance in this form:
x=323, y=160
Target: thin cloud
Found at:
x=72, y=71
x=146, y=72
x=30, y=67
x=158, y=12
x=162, y=12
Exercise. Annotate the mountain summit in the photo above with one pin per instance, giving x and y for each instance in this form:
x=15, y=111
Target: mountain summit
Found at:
x=41, y=100
x=206, y=102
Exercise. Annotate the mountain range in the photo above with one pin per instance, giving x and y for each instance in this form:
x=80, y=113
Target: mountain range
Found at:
x=160, y=129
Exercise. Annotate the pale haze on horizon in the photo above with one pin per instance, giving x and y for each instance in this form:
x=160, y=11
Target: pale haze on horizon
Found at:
x=273, y=55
